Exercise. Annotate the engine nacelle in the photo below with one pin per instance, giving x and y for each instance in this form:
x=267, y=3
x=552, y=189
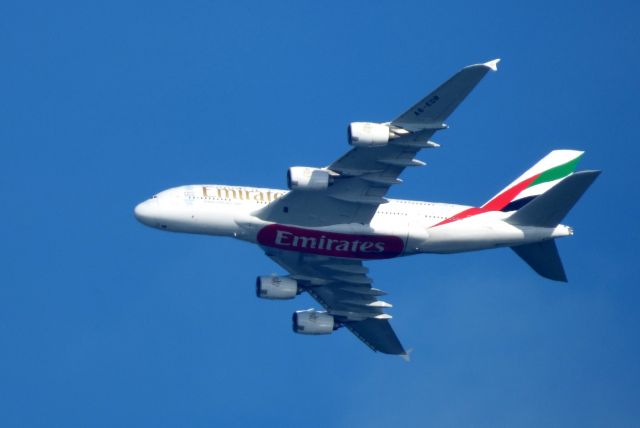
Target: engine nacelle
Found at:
x=276, y=287
x=305, y=178
x=313, y=322
x=367, y=134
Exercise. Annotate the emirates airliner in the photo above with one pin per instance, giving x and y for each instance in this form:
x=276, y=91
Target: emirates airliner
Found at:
x=333, y=219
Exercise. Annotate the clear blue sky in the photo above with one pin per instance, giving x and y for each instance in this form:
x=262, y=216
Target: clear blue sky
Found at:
x=104, y=322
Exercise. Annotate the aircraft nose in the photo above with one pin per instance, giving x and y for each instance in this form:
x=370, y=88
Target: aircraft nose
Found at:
x=145, y=212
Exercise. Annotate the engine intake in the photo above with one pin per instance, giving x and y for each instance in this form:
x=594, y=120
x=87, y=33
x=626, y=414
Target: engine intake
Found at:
x=305, y=178
x=276, y=287
x=313, y=322
x=367, y=134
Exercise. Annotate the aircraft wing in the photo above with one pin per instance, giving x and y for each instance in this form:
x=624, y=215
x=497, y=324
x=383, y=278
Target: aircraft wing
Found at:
x=363, y=176
x=432, y=110
x=344, y=289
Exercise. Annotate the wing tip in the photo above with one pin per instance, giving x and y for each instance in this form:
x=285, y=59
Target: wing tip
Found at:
x=407, y=355
x=493, y=64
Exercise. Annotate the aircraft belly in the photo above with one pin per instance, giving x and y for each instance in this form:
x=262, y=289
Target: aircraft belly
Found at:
x=351, y=241
x=467, y=236
x=216, y=220
x=470, y=235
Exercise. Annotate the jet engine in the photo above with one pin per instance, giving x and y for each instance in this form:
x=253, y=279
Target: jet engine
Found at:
x=276, y=287
x=313, y=322
x=367, y=134
x=305, y=178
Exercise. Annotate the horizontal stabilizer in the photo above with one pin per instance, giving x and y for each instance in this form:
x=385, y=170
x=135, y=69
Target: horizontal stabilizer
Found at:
x=543, y=257
x=549, y=208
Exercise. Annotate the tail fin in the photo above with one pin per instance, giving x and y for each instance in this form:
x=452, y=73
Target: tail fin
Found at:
x=548, y=209
x=537, y=180
x=542, y=197
x=543, y=257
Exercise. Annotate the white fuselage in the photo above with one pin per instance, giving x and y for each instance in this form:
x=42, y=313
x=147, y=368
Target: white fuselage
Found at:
x=399, y=227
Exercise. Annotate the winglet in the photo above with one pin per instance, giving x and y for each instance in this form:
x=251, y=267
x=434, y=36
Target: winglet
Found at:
x=407, y=355
x=493, y=64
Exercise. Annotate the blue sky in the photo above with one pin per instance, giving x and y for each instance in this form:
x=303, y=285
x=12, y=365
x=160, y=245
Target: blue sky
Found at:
x=104, y=322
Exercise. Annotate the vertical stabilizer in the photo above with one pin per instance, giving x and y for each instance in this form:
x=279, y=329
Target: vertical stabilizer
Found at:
x=540, y=178
x=548, y=209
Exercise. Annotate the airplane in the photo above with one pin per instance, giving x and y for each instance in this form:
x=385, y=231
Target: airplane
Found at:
x=333, y=219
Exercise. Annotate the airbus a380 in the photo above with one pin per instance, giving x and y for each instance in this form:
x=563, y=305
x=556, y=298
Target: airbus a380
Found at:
x=332, y=219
